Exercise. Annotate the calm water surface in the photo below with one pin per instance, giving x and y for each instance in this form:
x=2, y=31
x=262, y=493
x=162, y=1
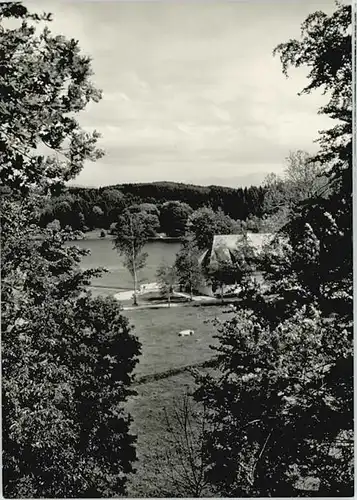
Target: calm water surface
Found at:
x=103, y=255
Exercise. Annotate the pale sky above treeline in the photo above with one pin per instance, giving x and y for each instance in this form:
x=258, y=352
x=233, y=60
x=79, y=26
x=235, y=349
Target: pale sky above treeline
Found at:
x=191, y=90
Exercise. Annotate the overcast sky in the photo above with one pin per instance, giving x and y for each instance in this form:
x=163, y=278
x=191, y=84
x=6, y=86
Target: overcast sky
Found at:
x=191, y=91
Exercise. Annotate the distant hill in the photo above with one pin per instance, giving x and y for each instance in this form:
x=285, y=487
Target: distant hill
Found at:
x=236, y=181
x=100, y=207
x=236, y=202
x=233, y=181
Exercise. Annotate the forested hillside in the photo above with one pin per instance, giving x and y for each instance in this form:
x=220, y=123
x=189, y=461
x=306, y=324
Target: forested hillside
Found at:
x=89, y=208
x=238, y=203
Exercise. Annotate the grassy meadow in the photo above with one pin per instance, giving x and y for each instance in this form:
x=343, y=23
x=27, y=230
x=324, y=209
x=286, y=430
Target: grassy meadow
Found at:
x=147, y=410
x=163, y=350
x=161, y=375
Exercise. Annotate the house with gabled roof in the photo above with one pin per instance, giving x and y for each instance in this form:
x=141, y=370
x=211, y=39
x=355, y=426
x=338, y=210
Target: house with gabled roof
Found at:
x=223, y=250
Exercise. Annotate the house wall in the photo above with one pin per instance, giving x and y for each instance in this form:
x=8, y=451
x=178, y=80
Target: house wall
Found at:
x=207, y=289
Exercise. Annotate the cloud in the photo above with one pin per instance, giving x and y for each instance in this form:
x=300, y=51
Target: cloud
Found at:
x=191, y=91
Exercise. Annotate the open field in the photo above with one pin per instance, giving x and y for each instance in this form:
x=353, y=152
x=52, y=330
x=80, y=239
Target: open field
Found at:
x=161, y=377
x=147, y=410
x=162, y=348
x=162, y=351
x=160, y=374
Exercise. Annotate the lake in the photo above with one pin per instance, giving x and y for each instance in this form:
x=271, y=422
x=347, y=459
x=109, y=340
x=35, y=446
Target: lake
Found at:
x=118, y=278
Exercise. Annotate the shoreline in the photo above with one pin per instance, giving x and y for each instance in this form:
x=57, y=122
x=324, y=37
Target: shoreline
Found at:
x=95, y=235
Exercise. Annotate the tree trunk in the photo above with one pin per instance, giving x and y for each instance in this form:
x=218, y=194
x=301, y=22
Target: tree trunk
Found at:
x=191, y=293
x=135, y=299
x=169, y=300
x=222, y=293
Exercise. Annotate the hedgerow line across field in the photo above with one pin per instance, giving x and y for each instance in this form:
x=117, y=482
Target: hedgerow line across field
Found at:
x=174, y=371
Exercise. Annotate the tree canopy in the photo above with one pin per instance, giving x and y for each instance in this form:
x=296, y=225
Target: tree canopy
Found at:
x=205, y=223
x=303, y=179
x=131, y=233
x=188, y=267
x=282, y=395
x=173, y=217
x=167, y=279
x=67, y=358
x=44, y=82
x=238, y=203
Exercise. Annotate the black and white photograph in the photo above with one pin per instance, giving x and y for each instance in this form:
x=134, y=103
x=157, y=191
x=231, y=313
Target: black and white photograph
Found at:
x=177, y=248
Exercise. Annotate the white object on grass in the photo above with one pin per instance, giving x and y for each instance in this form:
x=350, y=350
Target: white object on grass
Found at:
x=186, y=333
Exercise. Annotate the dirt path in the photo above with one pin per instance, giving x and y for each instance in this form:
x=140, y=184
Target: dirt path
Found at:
x=154, y=287
x=152, y=306
x=128, y=294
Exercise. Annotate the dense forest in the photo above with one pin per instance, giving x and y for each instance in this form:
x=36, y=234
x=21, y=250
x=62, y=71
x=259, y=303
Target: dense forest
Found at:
x=238, y=203
x=90, y=208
